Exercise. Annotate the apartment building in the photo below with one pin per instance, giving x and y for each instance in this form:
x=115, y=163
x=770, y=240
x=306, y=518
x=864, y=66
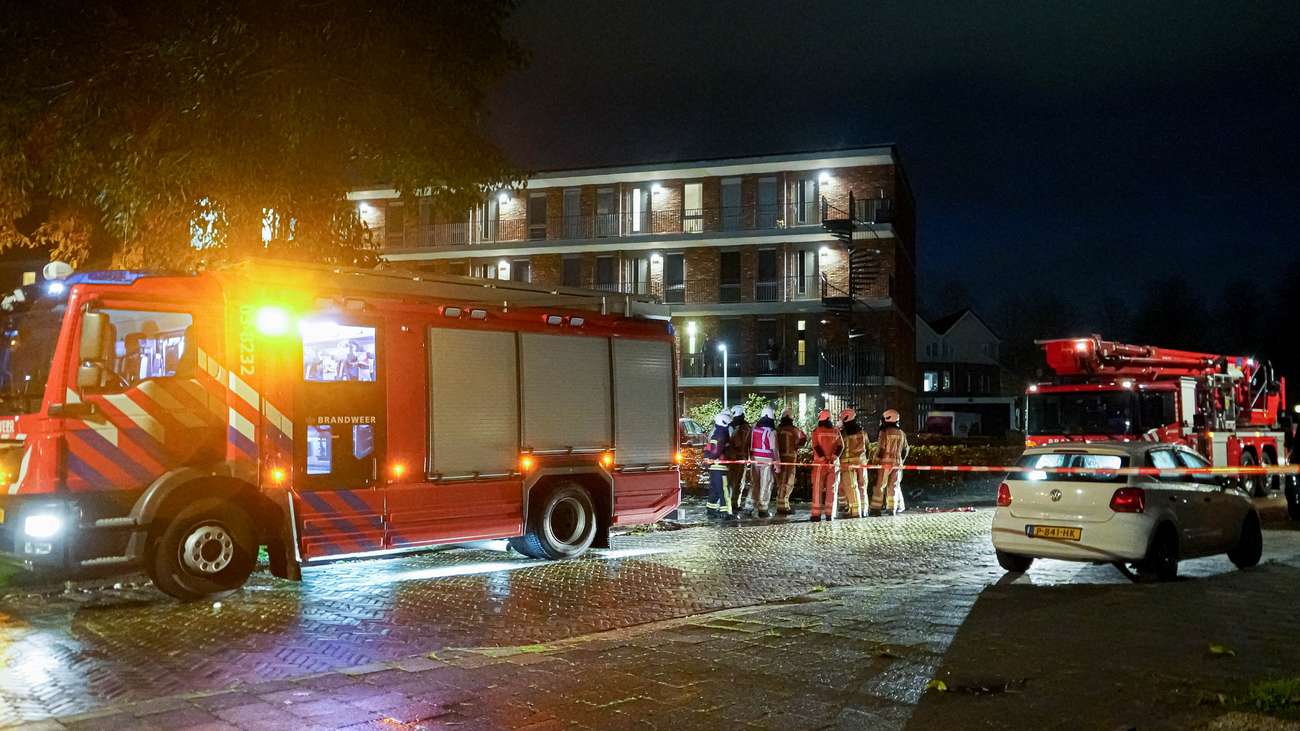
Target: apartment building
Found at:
x=964, y=391
x=791, y=273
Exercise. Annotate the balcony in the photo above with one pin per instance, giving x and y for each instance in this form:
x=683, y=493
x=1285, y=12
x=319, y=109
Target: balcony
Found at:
x=679, y=222
x=780, y=363
x=702, y=291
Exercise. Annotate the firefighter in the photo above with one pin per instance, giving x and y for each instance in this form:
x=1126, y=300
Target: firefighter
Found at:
x=853, y=477
x=891, y=451
x=763, y=452
x=789, y=440
x=719, y=505
x=827, y=446
x=737, y=455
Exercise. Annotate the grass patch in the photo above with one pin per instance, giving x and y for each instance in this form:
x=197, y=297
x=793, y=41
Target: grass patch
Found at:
x=1278, y=697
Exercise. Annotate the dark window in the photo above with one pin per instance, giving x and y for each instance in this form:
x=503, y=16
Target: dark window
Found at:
x=521, y=270
x=606, y=216
x=767, y=206
x=729, y=276
x=606, y=274
x=573, y=227
x=675, y=278
x=767, y=288
x=572, y=274
x=537, y=216
x=394, y=225
x=1157, y=409
x=458, y=268
x=731, y=204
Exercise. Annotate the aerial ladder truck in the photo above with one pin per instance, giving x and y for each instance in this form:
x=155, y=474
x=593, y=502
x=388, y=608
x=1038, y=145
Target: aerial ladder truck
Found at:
x=1230, y=409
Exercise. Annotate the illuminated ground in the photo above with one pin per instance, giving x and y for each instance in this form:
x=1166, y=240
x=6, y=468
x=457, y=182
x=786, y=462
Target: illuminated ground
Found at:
x=718, y=623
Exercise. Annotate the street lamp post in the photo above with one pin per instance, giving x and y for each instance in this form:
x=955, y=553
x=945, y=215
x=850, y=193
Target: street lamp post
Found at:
x=722, y=348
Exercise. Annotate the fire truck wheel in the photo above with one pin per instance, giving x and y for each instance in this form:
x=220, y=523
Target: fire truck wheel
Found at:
x=207, y=550
x=1250, y=546
x=562, y=524
x=1252, y=484
x=1270, y=483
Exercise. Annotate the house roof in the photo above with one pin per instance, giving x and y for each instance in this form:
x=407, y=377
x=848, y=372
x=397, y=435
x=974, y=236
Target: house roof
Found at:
x=942, y=325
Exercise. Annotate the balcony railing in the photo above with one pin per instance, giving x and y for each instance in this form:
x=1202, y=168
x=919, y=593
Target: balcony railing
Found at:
x=776, y=363
x=712, y=291
x=688, y=221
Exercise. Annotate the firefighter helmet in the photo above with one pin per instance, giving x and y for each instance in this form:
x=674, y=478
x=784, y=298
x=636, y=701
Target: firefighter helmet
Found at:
x=848, y=415
x=823, y=415
x=768, y=413
x=737, y=411
x=891, y=416
x=722, y=419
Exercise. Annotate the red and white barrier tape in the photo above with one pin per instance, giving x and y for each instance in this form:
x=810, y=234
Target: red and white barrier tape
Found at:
x=1148, y=471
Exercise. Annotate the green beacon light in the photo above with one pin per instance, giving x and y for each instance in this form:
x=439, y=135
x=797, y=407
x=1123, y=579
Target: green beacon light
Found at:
x=272, y=320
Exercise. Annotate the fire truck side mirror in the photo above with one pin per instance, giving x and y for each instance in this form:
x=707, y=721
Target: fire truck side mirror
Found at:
x=94, y=329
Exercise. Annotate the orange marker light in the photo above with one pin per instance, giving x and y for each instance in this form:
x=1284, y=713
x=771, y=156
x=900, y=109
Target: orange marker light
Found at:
x=277, y=475
x=678, y=457
x=526, y=463
x=607, y=460
x=398, y=469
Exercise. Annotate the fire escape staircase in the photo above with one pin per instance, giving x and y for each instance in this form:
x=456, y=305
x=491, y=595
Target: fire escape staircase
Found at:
x=853, y=371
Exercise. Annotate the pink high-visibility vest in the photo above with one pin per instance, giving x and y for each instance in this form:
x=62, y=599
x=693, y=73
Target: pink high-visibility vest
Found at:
x=762, y=444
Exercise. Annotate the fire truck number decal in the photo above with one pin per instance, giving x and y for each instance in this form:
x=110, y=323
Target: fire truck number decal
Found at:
x=246, y=340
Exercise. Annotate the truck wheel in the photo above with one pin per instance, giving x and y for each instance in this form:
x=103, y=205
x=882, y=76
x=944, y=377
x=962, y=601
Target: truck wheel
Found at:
x=207, y=550
x=1161, y=562
x=1252, y=484
x=1250, y=546
x=561, y=524
x=1011, y=563
x=1270, y=483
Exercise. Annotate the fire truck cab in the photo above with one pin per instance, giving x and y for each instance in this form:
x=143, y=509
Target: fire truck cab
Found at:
x=1225, y=407
x=179, y=423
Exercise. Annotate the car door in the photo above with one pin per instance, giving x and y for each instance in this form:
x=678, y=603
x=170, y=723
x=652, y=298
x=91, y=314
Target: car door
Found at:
x=1180, y=496
x=1223, y=505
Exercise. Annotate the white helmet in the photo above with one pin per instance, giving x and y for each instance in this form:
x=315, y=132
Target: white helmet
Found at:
x=722, y=419
x=768, y=413
x=891, y=416
x=737, y=410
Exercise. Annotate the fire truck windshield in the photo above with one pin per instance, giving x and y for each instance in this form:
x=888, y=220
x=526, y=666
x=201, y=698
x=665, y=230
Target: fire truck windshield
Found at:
x=26, y=352
x=1090, y=412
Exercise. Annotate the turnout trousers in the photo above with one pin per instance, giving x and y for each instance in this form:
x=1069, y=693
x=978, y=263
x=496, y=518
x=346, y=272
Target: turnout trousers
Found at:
x=853, y=485
x=823, y=488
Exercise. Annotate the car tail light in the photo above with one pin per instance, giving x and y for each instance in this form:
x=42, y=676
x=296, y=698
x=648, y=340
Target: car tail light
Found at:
x=1004, y=495
x=1129, y=500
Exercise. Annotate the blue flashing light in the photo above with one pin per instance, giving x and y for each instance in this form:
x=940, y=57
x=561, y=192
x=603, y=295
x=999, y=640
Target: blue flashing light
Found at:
x=56, y=288
x=112, y=276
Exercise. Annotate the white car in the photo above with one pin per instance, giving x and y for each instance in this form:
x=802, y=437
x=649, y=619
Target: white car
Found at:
x=1149, y=522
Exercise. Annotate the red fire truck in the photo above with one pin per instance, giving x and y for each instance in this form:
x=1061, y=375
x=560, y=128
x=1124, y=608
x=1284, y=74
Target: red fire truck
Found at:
x=179, y=423
x=1225, y=407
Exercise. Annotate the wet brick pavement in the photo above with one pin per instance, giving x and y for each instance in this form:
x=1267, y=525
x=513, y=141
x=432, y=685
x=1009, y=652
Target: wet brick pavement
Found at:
x=719, y=623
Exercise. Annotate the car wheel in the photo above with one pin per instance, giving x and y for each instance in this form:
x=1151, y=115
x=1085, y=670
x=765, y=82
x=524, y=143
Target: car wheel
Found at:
x=1161, y=562
x=1251, y=544
x=1252, y=484
x=208, y=549
x=1013, y=563
x=561, y=524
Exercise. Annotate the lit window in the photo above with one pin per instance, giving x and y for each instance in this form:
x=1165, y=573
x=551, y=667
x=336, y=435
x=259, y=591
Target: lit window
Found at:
x=930, y=382
x=332, y=352
x=363, y=440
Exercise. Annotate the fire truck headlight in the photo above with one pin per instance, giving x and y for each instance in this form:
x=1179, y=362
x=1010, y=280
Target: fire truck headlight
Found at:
x=1296, y=408
x=56, y=289
x=43, y=526
x=272, y=320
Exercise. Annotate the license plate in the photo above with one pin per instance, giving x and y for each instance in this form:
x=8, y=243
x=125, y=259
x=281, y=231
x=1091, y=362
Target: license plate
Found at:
x=1054, y=531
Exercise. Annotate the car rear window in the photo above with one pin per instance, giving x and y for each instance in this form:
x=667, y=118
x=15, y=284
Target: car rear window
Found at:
x=1038, y=465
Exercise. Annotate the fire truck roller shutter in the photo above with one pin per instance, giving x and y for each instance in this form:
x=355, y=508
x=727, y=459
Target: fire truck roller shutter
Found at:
x=565, y=391
x=643, y=402
x=473, y=402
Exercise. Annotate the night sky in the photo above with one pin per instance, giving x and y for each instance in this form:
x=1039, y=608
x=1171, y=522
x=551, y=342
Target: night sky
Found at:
x=1092, y=146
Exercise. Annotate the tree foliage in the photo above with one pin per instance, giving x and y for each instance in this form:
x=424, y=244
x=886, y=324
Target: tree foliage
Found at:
x=130, y=129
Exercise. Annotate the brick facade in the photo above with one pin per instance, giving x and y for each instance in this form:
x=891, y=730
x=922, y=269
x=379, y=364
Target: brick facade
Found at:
x=749, y=313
